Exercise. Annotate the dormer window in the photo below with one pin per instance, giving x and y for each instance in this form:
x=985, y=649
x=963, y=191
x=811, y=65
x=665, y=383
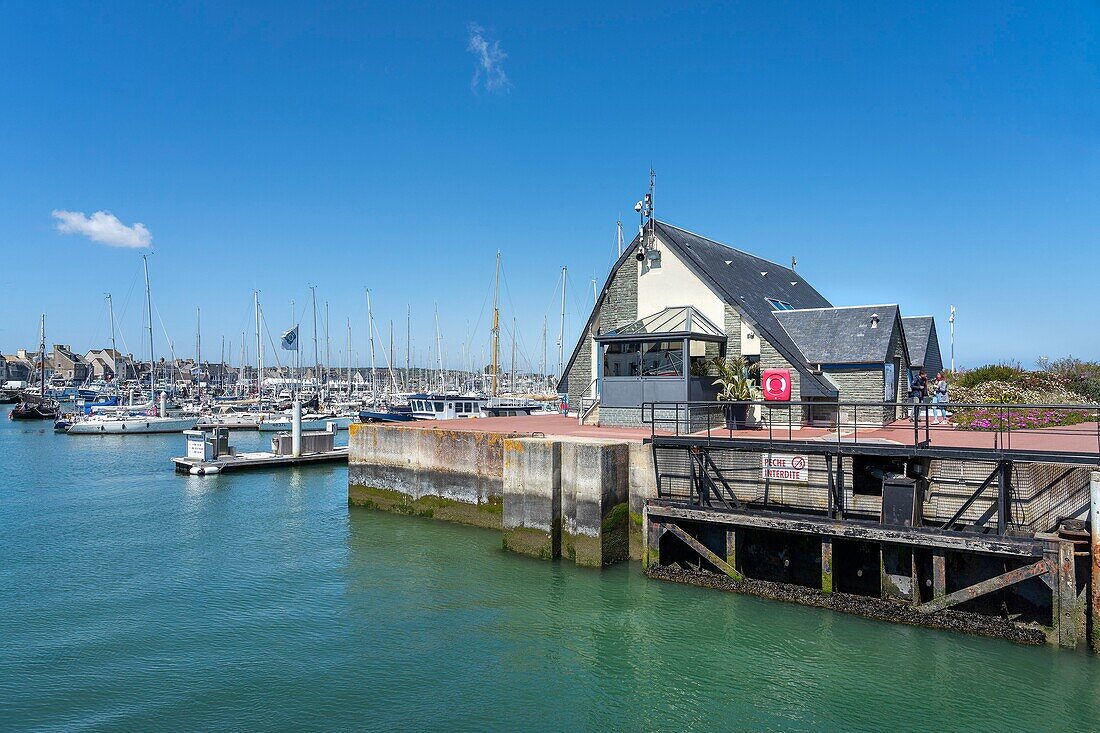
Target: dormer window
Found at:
x=779, y=305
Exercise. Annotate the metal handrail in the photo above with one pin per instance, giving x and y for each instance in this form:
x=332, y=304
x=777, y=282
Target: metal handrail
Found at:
x=681, y=412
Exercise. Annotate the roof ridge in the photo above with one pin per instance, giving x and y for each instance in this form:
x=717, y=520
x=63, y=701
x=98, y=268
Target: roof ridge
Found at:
x=844, y=307
x=722, y=244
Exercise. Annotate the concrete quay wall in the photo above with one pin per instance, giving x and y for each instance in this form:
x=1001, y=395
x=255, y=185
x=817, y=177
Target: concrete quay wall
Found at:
x=575, y=498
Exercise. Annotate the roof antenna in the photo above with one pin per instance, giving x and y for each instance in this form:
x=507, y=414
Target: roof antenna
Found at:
x=620, y=228
x=645, y=213
x=794, y=262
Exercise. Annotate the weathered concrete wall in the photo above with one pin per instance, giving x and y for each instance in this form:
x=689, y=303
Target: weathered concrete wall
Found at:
x=447, y=474
x=642, y=486
x=595, y=511
x=532, y=497
x=551, y=497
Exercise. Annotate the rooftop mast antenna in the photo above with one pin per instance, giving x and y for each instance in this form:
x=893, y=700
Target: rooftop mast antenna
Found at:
x=619, y=227
x=645, y=212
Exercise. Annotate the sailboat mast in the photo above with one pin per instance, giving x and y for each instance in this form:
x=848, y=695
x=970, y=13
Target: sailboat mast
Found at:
x=512, y=380
x=347, y=356
x=542, y=376
x=561, y=329
x=439, y=352
x=373, y=372
x=316, y=349
x=111, y=311
x=408, y=343
x=328, y=346
x=259, y=351
x=496, y=322
x=149, y=313
x=42, y=355
x=198, y=336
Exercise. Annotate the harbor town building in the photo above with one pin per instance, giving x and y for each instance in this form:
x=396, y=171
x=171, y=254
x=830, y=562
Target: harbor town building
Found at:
x=675, y=300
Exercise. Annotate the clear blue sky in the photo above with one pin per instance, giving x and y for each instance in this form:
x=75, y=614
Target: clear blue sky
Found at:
x=923, y=154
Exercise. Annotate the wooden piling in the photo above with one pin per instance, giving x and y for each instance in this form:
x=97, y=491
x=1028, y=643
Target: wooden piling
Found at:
x=1094, y=551
x=827, y=564
x=1066, y=604
x=939, y=573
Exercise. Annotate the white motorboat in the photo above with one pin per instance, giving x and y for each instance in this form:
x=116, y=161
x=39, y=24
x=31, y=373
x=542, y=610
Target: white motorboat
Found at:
x=311, y=421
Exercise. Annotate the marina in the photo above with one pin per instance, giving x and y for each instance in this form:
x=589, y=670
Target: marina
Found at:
x=602, y=367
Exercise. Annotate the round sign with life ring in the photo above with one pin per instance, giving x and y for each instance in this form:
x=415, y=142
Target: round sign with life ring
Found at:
x=776, y=384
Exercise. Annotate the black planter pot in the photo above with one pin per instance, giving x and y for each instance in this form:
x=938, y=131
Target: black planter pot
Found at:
x=737, y=415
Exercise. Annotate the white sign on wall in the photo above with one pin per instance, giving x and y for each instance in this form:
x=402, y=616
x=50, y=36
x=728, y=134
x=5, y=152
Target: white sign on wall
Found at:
x=785, y=467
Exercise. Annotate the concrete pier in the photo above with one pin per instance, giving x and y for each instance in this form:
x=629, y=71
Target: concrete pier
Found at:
x=446, y=474
x=558, y=496
x=595, y=511
x=967, y=551
x=532, y=520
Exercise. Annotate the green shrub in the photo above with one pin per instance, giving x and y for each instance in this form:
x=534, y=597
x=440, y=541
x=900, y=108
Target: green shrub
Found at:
x=989, y=373
x=1079, y=377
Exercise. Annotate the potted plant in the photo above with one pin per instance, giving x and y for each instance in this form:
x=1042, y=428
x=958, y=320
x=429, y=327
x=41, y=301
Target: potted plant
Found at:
x=736, y=390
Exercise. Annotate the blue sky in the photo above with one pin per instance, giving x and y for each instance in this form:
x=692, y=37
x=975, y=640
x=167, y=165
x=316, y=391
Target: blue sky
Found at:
x=924, y=154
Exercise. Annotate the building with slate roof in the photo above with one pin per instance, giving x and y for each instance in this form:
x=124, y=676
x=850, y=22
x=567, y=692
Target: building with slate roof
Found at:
x=924, y=344
x=675, y=300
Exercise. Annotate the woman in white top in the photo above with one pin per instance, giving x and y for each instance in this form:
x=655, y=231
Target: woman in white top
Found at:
x=939, y=397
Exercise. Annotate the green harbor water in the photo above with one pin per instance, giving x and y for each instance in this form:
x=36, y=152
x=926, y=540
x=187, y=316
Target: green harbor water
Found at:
x=135, y=599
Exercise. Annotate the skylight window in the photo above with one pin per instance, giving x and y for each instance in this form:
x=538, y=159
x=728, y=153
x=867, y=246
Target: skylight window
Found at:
x=779, y=305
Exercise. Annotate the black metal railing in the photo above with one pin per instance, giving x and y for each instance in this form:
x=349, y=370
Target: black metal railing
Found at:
x=1067, y=429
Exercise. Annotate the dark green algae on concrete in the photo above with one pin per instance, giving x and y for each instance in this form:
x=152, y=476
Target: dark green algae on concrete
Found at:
x=487, y=514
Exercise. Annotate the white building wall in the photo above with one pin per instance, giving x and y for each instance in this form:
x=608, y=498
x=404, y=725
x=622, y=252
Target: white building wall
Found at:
x=669, y=283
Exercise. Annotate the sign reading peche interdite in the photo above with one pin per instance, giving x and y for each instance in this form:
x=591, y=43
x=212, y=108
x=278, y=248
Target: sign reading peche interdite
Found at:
x=785, y=467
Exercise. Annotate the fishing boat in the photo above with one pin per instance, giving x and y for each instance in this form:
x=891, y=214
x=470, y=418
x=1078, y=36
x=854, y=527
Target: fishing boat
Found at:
x=34, y=407
x=37, y=406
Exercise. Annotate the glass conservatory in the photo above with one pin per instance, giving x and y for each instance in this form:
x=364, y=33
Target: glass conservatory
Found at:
x=664, y=357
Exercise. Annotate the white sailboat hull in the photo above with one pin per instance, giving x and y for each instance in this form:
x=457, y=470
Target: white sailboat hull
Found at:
x=138, y=425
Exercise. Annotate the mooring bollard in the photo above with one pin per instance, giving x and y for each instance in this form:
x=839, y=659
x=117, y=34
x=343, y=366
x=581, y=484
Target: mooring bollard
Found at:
x=296, y=430
x=1094, y=552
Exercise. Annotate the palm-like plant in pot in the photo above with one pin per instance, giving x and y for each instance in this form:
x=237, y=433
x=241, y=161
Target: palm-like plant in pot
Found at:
x=736, y=390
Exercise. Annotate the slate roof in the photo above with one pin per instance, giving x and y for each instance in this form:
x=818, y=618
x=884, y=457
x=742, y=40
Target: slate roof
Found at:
x=918, y=332
x=841, y=335
x=746, y=282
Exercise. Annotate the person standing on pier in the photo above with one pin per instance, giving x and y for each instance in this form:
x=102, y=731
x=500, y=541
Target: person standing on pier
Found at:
x=918, y=389
x=939, y=397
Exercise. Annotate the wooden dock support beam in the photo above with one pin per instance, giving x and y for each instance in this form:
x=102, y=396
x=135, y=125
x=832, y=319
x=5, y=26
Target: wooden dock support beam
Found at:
x=704, y=552
x=651, y=532
x=939, y=573
x=1094, y=551
x=1065, y=597
x=731, y=547
x=1004, y=580
x=827, y=564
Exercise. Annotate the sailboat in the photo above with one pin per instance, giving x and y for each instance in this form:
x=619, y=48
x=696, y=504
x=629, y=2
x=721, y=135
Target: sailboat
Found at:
x=37, y=406
x=131, y=419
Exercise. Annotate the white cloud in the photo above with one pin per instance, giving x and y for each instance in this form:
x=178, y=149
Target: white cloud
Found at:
x=489, y=72
x=103, y=226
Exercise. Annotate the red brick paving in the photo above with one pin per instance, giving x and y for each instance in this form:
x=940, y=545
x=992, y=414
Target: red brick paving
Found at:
x=1082, y=438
